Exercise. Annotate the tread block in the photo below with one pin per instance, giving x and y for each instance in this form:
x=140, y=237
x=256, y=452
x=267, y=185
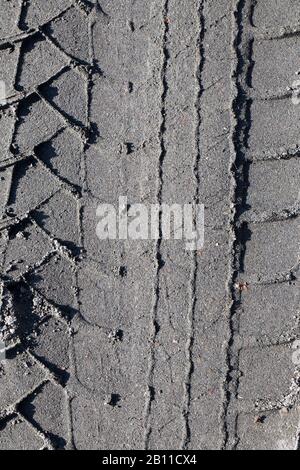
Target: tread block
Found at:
x=98, y=365
x=275, y=13
x=19, y=375
x=31, y=186
x=27, y=247
x=274, y=126
x=40, y=61
x=62, y=154
x=276, y=65
x=102, y=307
x=21, y=313
x=276, y=432
x=102, y=171
x=57, y=217
x=266, y=375
x=61, y=92
x=97, y=423
x=36, y=124
x=37, y=14
x=16, y=434
x=101, y=251
x=9, y=16
x=45, y=280
x=70, y=31
x=272, y=248
x=268, y=312
x=85, y=424
x=274, y=185
x=46, y=409
x=5, y=179
x=51, y=346
x=8, y=66
x=7, y=120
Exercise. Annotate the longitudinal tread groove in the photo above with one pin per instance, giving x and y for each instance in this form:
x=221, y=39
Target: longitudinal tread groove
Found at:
x=157, y=250
x=194, y=257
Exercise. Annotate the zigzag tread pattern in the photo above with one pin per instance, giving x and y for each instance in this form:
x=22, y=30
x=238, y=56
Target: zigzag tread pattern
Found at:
x=45, y=150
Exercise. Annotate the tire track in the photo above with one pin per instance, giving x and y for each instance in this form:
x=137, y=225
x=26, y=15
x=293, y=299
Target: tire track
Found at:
x=154, y=326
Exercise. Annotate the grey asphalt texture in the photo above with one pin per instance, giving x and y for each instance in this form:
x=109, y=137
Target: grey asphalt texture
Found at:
x=143, y=344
